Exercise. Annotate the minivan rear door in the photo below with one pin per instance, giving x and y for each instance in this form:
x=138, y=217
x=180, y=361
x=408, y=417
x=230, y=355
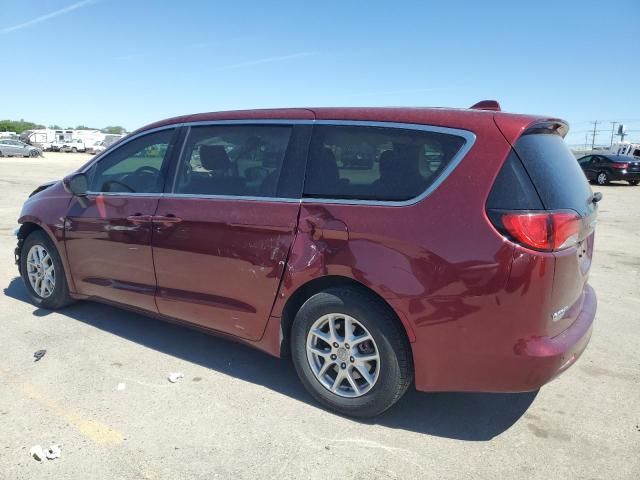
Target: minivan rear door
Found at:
x=223, y=230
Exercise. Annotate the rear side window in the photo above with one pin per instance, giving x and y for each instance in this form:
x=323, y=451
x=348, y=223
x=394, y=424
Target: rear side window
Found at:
x=555, y=172
x=376, y=163
x=236, y=160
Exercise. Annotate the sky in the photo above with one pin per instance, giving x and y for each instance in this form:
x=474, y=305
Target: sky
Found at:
x=132, y=62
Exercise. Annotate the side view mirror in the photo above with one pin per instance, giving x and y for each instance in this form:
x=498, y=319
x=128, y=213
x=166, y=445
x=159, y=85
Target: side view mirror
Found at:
x=76, y=183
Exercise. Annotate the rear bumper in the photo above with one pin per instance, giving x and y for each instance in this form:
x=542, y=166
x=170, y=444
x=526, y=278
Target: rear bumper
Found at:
x=526, y=366
x=628, y=176
x=548, y=357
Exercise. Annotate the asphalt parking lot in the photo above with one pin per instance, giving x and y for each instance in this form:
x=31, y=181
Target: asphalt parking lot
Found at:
x=239, y=413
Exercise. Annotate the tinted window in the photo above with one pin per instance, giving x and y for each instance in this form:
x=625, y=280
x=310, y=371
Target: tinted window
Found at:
x=585, y=160
x=137, y=166
x=512, y=189
x=555, y=173
x=375, y=163
x=242, y=160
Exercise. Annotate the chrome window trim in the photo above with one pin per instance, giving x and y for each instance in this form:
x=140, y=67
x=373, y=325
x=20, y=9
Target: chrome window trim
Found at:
x=467, y=135
x=247, y=198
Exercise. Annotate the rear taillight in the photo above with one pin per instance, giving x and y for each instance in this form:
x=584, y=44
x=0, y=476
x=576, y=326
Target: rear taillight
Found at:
x=546, y=231
x=619, y=166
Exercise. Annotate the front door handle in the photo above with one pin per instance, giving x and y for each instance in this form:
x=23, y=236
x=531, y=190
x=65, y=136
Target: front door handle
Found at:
x=139, y=218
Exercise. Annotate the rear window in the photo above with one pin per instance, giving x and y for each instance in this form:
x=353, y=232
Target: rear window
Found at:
x=376, y=163
x=555, y=173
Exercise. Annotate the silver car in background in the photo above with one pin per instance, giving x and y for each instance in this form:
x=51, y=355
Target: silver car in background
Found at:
x=16, y=148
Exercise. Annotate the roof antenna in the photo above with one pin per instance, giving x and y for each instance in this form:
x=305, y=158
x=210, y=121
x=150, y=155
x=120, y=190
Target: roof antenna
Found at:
x=487, y=105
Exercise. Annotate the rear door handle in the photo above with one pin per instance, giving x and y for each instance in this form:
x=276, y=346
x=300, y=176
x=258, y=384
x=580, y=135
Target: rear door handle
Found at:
x=139, y=218
x=166, y=219
x=328, y=229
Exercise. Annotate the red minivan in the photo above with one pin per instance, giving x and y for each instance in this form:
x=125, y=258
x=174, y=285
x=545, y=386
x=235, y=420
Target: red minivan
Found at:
x=375, y=246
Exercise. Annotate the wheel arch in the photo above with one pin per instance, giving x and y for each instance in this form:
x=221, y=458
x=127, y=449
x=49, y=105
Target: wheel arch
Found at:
x=317, y=285
x=30, y=224
x=27, y=228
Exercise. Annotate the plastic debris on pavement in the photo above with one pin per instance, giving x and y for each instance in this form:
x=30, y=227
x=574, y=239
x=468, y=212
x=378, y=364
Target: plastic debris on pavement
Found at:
x=37, y=453
x=175, y=376
x=39, y=354
x=121, y=386
x=51, y=453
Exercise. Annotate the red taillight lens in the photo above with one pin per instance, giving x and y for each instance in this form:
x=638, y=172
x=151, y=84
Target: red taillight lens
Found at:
x=543, y=231
x=620, y=166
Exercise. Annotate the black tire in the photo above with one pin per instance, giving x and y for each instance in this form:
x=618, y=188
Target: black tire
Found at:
x=1, y=155
x=74, y=150
x=602, y=178
x=634, y=182
x=396, y=369
x=59, y=297
x=33, y=153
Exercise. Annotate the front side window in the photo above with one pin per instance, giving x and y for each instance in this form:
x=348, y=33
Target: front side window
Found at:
x=376, y=163
x=237, y=160
x=138, y=166
x=585, y=160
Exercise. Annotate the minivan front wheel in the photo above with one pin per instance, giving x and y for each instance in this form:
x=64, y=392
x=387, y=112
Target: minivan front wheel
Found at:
x=42, y=272
x=350, y=352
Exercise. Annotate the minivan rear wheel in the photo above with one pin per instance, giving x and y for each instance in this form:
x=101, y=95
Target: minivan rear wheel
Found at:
x=43, y=273
x=350, y=352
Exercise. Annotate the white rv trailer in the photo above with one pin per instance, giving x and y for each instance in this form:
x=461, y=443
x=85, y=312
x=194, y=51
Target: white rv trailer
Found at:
x=626, y=148
x=45, y=137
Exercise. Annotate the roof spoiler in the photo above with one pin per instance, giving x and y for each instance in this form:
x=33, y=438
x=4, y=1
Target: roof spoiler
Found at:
x=486, y=105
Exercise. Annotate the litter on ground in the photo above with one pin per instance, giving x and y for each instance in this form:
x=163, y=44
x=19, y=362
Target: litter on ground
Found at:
x=39, y=454
x=175, y=376
x=39, y=354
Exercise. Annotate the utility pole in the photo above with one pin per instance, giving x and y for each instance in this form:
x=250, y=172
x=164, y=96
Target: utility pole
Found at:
x=613, y=129
x=593, y=138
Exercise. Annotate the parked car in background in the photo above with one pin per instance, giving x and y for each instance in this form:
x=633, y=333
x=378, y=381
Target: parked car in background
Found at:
x=16, y=148
x=97, y=147
x=55, y=146
x=400, y=272
x=604, y=168
x=74, y=145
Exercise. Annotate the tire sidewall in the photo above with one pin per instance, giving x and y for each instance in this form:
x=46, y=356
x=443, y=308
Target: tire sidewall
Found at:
x=386, y=389
x=606, y=178
x=60, y=293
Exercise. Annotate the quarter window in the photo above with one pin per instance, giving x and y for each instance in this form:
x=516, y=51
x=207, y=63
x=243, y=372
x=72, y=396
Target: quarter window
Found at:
x=238, y=160
x=376, y=163
x=138, y=166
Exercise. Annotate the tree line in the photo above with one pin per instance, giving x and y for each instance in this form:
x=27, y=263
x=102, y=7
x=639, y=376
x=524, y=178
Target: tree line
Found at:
x=20, y=126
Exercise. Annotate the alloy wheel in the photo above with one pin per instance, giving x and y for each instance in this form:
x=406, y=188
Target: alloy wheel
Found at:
x=41, y=271
x=343, y=355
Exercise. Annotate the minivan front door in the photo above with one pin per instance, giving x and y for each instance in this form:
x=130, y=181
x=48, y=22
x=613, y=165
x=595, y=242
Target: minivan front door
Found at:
x=222, y=237
x=108, y=232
